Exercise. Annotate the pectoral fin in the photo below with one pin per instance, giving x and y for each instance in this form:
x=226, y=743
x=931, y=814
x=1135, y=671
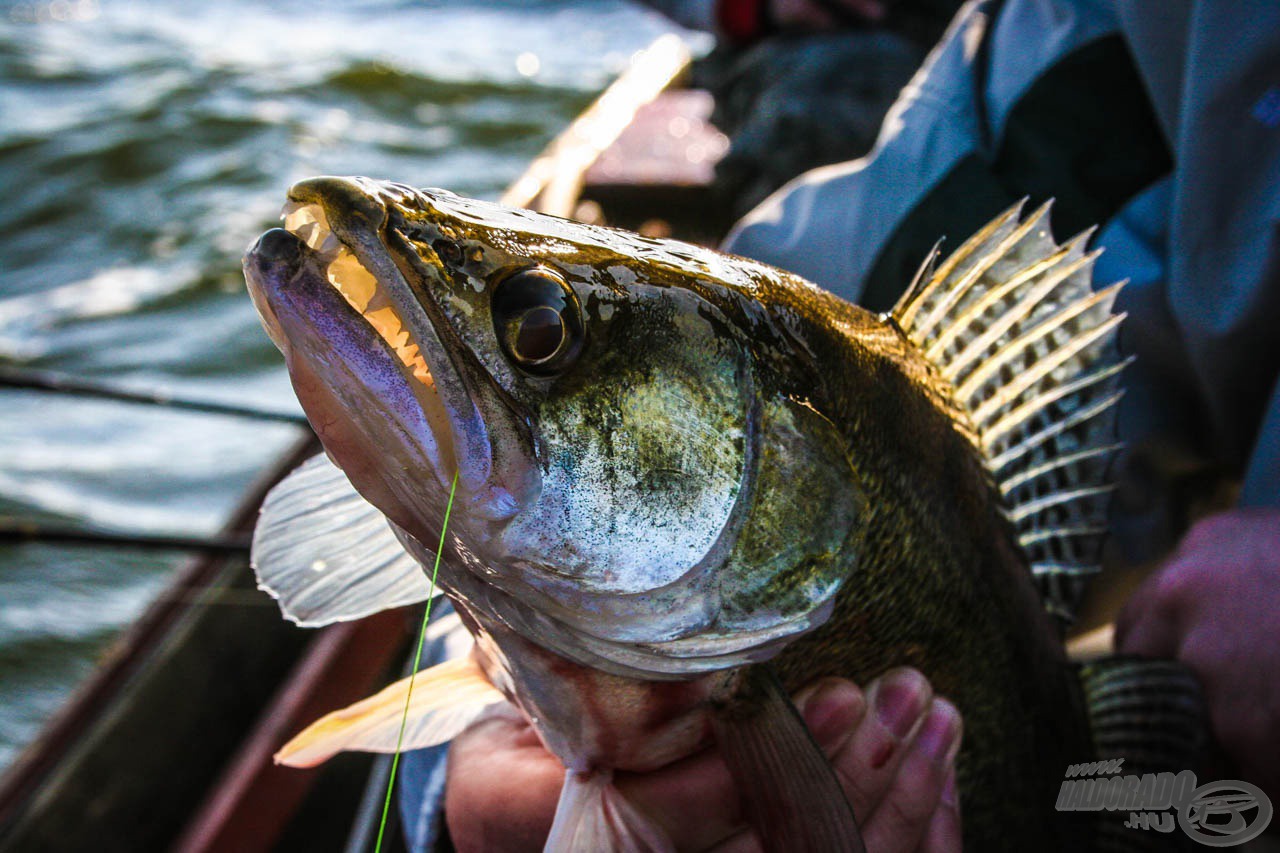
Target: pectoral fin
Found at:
x=445, y=700
x=594, y=817
x=792, y=795
x=327, y=555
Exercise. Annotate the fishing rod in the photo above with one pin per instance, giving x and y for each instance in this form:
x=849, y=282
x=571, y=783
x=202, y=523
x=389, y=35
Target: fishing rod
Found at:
x=20, y=531
x=60, y=383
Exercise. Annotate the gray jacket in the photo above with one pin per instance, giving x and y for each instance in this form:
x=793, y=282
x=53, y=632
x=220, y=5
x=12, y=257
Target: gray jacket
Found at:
x=1158, y=121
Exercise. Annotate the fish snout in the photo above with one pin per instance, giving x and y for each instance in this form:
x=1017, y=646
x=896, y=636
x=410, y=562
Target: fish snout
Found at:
x=275, y=259
x=279, y=250
x=359, y=203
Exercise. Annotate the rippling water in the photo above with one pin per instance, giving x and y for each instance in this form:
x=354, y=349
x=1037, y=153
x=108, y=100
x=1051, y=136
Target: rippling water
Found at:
x=142, y=146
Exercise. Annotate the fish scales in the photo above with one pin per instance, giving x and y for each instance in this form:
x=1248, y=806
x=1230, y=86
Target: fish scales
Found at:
x=689, y=484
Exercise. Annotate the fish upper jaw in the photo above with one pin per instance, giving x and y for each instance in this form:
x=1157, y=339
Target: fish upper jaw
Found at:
x=364, y=353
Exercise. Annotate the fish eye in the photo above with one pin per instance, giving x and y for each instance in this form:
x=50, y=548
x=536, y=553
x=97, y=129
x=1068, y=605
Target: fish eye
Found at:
x=537, y=320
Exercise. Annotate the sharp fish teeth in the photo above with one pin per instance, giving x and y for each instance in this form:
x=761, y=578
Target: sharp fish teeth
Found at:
x=360, y=288
x=356, y=284
x=387, y=323
x=309, y=223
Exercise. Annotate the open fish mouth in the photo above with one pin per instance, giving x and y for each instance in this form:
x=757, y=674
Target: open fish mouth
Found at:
x=361, y=290
x=320, y=248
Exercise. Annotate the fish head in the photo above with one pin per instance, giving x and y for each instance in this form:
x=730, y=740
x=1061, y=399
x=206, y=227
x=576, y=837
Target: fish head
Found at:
x=597, y=394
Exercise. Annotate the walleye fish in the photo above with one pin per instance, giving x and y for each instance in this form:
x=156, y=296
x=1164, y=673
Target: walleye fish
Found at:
x=687, y=484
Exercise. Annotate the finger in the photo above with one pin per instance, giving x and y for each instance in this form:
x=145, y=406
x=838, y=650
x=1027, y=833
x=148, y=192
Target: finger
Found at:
x=1146, y=623
x=943, y=834
x=501, y=789
x=867, y=762
x=697, y=801
x=832, y=708
x=694, y=800
x=904, y=814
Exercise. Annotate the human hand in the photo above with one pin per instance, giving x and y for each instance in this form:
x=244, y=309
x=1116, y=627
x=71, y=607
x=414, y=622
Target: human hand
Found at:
x=1215, y=606
x=896, y=765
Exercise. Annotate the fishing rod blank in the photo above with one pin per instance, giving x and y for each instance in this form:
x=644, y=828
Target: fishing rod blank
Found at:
x=18, y=531
x=58, y=383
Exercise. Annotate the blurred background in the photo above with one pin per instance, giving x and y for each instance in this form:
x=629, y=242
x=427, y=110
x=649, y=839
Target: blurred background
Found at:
x=143, y=145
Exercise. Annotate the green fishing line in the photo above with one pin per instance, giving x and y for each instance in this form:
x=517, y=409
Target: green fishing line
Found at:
x=417, y=659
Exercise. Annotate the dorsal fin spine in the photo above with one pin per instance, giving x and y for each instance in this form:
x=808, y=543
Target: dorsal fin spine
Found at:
x=979, y=269
x=1017, y=347
x=925, y=273
x=1016, y=350
x=994, y=295
x=1024, y=381
x=1052, y=431
x=1045, y=567
x=971, y=352
x=1030, y=508
x=909, y=307
x=1061, y=532
x=1019, y=480
x=994, y=433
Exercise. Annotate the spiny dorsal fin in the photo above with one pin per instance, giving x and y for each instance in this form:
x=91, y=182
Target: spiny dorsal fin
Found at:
x=1012, y=324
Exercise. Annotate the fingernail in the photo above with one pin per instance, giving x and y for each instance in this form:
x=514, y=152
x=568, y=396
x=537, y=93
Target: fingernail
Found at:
x=938, y=733
x=831, y=709
x=950, y=795
x=900, y=700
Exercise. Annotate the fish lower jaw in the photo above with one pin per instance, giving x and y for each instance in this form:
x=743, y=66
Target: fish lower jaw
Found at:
x=266, y=314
